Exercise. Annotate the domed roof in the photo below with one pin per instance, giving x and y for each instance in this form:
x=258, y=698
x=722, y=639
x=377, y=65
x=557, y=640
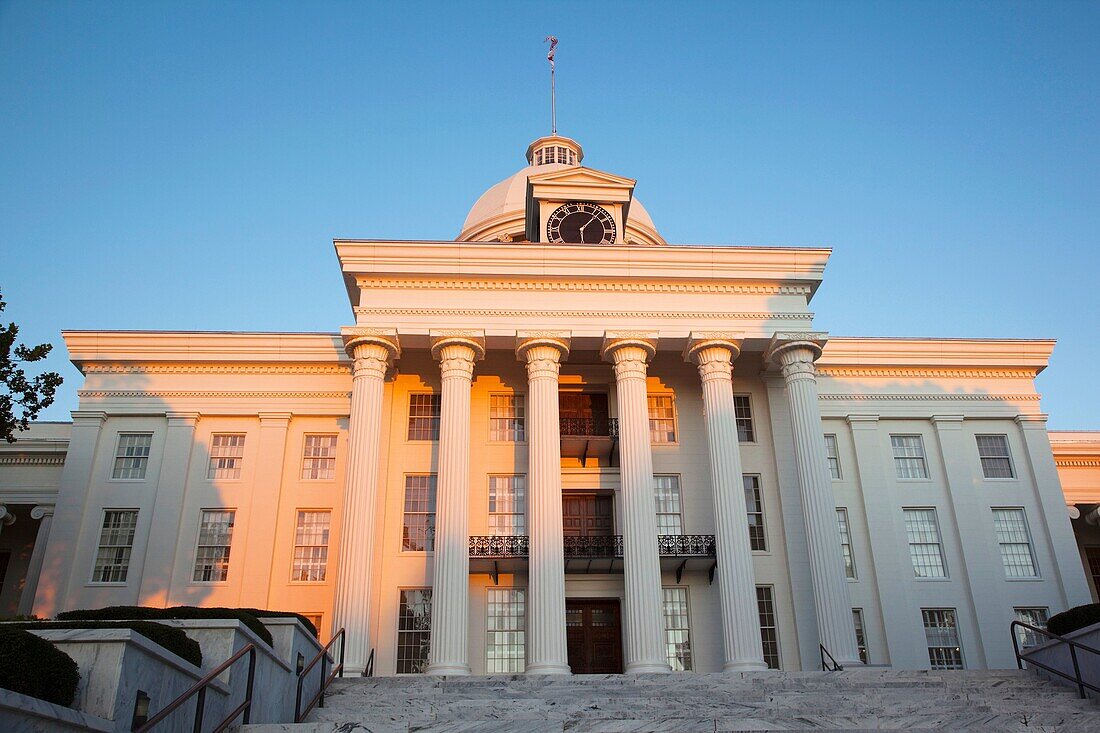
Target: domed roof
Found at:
x=500, y=212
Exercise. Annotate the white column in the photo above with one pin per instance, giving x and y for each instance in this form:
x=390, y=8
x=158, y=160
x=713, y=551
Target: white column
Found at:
x=450, y=586
x=371, y=356
x=796, y=354
x=736, y=584
x=643, y=620
x=44, y=514
x=547, y=651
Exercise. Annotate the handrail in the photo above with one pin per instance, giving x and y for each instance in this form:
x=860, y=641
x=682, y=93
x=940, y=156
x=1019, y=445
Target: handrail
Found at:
x=1077, y=679
x=200, y=688
x=836, y=667
x=319, y=698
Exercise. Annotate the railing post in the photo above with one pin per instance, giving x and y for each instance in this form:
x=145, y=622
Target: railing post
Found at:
x=1077, y=671
x=343, y=645
x=200, y=708
x=321, y=701
x=251, y=680
x=1016, y=645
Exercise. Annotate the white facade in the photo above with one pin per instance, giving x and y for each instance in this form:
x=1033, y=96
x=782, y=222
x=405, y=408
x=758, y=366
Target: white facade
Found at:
x=603, y=383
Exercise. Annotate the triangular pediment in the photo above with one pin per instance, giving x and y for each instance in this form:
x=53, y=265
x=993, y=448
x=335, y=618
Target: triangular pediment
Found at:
x=581, y=175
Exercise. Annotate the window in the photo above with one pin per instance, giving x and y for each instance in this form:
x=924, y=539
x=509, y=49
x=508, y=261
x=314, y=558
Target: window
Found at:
x=993, y=450
x=116, y=539
x=315, y=619
x=669, y=511
x=414, y=630
x=418, y=534
x=319, y=459
x=754, y=505
x=132, y=456
x=833, y=456
x=662, y=419
x=1033, y=617
x=507, y=505
x=769, y=634
x=846, y=542
x=942, y=634
x=506, y=417
x=861, y=636
x=742, y=412
x=925, y=551
x=1012, y=535
x=909, y=456
x=212, y=550
x=1092, y=557
x=311, y=546
x=505, y=645
x=226, y=454
x=677, y=629
x=424, y=411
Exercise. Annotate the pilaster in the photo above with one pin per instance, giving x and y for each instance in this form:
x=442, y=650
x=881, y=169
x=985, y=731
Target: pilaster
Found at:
x=263, y=515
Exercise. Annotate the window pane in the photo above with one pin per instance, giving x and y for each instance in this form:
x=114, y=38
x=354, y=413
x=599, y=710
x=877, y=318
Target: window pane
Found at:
x=662, y=422
x=506, y=417
x=132, y=455
x=319, y=458
x=833, y=456
x=846, y=542
x=212, y=550
x=508, y=505
x=861, y=636
x=414, y=629
x=1033, y=617
x=418, y=534
x=942, y=634
x=226, y=454
x=909, y=456
x=424, y=412
x=505, y=646
x=669, y=512
x=925, y=551
x=993, y=451
x=769, y=634
x=677, y=629
x=1010, y=526
x=754, y=505
x=742, y=410
x=116, y=539
x=311, y=546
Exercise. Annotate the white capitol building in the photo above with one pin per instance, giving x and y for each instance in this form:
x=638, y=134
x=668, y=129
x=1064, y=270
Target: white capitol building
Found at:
x=560, y=444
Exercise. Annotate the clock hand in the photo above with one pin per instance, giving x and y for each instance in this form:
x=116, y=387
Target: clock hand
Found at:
x=583, y=227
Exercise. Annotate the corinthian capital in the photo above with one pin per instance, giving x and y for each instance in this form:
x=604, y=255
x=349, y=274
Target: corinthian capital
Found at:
x=372, y=350
x=795, y=352
x=714, y=353
x=630, y=352
x=543, y=352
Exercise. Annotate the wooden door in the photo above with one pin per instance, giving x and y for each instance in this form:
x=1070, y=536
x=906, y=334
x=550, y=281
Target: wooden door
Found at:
x=587, y=515
x=583, y=405
x=594, y=636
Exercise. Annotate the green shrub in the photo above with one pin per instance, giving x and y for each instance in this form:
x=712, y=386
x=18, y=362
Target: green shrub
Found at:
x=171, y=638
x=125, y=613
x=33, y=666
x=1073, y=619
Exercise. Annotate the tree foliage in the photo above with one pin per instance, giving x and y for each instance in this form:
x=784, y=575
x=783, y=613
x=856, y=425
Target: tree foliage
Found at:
x=22, y=398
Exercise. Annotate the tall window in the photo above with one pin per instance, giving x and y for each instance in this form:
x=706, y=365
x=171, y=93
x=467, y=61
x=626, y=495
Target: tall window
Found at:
x=212, y=550
x=311, y=546
x=909, y=459
x=942, y=634
x=1015, y=542
x=132, y=455
x=925, y=550
x=846, y=542
x=1033, y=617
x=754, y=505
x=116, y=540
x=319, y=458
x=861, y=635
x=677, y=629
x=226, y=455
x=670, y=519
x=662, y=420
x=832, y=454
x=508, y=505
x=769, y=633
x=424, y=412
x=742, y=412
x=505, y=644
x=996, y=462
x=506, y=417
x=414, y=630
x=418, y=533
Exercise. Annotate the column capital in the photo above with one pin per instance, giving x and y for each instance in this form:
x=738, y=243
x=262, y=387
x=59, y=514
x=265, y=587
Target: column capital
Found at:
x=863, y=422
x=700, y=341
x=88, y=418
x=275, y=419
x=1037, y=421
x=6, y=517
x=948, y=422
x=528, y=340
x=182, y=419
x=440, y=340
x=792, y=346
x=615, y=341
x=42, y=510
x=357, y=336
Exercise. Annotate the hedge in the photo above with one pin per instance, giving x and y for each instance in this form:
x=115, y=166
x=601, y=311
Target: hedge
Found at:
x=33, y=666
x=1073, y=619
x=171, y=638
x=250, y=617
x=261, y=613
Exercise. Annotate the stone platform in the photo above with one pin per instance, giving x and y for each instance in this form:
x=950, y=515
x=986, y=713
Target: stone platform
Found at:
x=861, y=700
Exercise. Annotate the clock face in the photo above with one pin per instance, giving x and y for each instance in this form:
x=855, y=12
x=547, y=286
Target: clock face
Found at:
x=580, y=223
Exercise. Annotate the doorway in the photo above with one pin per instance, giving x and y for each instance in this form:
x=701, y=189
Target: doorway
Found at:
x=588, y=514
x=593, y=629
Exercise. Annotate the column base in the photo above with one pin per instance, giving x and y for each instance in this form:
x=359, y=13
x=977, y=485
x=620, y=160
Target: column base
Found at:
x=648, y=668
x=750, y=665
x=548, y=668
x=448, y=670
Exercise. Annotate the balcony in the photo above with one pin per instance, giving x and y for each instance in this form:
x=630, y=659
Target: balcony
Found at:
x=507, y=554
x=588, y=437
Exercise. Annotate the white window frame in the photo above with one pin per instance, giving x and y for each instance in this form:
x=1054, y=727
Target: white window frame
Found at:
x=860, y=626
x=688, y=664
x=958, y=636
x=938, y=543
x=435, y=419
x=656, y=438
x=923, y=457
x=228, y=546
x=1002, y=543
x=226, y=461
x=769, y=591
x=832, y=456
x=750, y=420
x=844, y=528
x=310, y=467
x=305, y=564
x=117, y=468
x=127, y=549
x=752, y=482
x=677, y=491
x=518, y=504
x=506, y=664
x=518, y=418
x=1027, y=614
x=430, y=512
x=1006, y=457
x=428, y=631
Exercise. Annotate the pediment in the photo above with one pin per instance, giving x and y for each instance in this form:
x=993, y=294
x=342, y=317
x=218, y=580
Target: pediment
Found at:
x=579, y=175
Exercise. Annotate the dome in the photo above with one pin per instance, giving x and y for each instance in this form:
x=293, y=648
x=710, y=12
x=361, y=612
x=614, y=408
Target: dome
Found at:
x=500, y=213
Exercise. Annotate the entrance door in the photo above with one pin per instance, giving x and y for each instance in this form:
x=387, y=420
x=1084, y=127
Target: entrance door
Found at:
x=594, y=633
x=588, y=515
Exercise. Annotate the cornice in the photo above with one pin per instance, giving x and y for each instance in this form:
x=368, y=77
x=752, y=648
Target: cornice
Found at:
x=1008, y=355
x=503, y=313
x=1077, y=462
x=931, y=397
x=743, y=288
x=182, y=394
x=186, y=347
x=217, y=369
x=32, y=460
x=925, y=372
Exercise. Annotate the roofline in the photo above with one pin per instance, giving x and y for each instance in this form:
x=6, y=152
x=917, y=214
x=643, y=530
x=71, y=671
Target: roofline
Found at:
x=721, y=247
x=1021, y=354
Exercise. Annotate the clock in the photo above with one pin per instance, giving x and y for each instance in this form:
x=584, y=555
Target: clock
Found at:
x=580, y=223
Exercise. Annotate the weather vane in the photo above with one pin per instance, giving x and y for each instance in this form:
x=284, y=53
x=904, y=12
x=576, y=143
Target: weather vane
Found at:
x=553, y=108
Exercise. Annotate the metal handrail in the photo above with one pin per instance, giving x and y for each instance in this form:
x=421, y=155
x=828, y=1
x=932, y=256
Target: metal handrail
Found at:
x=200, y=689
x=369, y=671
x=319, y=698
x=1021, y=656
x=836, y=667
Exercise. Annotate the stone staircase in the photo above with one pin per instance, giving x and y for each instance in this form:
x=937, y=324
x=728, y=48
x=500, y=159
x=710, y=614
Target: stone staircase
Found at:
x=1001, y=700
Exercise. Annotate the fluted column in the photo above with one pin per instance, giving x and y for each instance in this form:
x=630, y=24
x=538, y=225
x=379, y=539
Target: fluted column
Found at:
x=643, y=621
x=371, y=355
x=44, y=514
x=547, y=651
x=795, y=354
x=736, y=583
x=450, y=586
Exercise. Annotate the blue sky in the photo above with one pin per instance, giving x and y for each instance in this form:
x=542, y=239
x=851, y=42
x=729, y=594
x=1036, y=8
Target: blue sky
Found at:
x=186, y=165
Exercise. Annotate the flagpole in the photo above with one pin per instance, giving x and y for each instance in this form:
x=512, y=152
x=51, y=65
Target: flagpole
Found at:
x=553, y=104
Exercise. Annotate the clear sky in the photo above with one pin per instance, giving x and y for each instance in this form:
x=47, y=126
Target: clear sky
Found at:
x=186, y=165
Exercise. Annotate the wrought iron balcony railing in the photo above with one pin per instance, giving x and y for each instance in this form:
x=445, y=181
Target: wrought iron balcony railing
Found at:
x=516, y=546
x=584, y=427
x=498, y=546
